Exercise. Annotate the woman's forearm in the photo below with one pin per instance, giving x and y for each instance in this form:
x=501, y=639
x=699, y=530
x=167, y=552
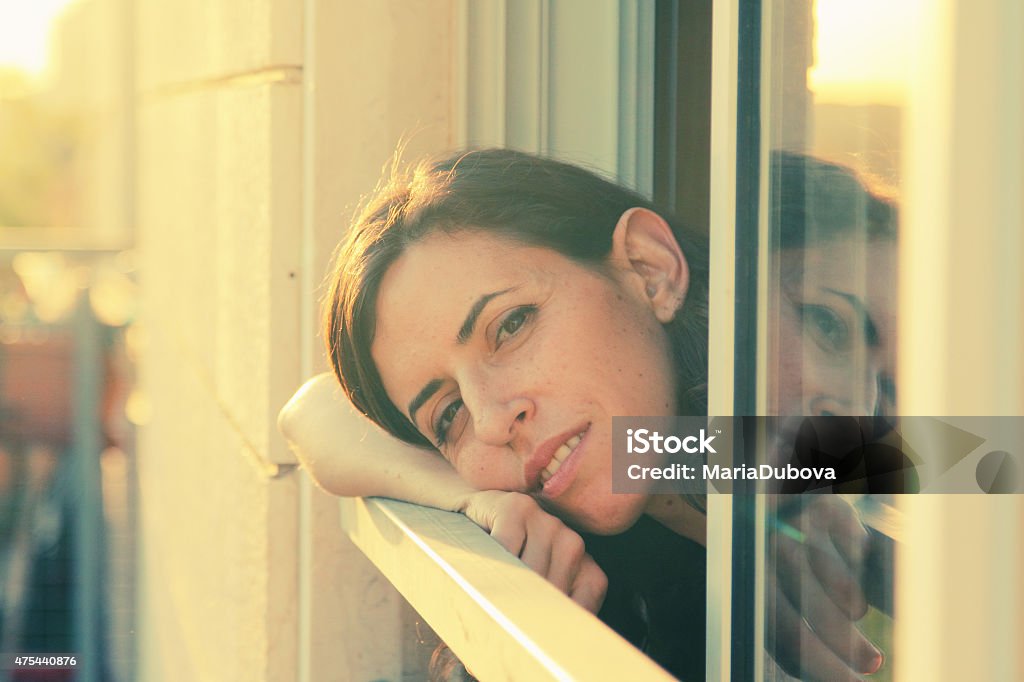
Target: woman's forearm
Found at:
x=347, y=455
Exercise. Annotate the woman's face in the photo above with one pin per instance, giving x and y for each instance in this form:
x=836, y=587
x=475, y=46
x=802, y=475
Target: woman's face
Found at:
x=513, y=359
x=836, y=328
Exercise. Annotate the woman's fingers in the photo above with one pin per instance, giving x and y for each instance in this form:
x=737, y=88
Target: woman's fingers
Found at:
x=835, y=629
x=505, y=515
x=815, y=593
x=839, y=581
x=545, y=544
x=590, y=585
x=829, y=540
x=837, y=543
x=539, y=549
x=813, y=570
x=564, y=550
x=801, y=648
x=841, y=523
x=557, y=553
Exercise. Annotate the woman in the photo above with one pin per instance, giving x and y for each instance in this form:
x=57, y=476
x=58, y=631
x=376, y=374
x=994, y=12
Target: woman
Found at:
x=837, y=316
x=502, y=308
x=832, y=338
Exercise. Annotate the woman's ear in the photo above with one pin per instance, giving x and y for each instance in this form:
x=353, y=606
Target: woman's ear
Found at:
x=644, y=246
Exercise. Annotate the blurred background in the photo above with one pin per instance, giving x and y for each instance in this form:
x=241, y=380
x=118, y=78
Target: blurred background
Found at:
x=68, y=336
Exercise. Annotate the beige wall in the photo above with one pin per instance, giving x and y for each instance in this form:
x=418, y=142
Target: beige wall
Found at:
x=218, y=110
x=235, y=109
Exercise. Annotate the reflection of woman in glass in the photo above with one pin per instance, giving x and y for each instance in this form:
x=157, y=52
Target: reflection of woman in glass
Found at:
x=502, y=308
x=837, y=261
x=833, y=335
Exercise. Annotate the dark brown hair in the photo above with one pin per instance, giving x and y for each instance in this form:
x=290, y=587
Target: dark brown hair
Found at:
x=815, y=201
x=530, y=199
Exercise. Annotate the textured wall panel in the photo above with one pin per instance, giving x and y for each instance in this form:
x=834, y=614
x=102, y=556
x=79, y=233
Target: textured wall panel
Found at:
x=186, y=41
x=218, y=174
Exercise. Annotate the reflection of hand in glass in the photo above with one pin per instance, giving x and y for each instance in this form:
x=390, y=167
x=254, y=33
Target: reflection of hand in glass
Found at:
x=813, y=593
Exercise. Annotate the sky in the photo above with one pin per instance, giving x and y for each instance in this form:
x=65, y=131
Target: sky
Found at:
x=24, y=32
x=863, y=49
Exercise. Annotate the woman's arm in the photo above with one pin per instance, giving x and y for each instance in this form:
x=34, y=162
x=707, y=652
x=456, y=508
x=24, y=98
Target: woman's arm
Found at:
x=347, y=455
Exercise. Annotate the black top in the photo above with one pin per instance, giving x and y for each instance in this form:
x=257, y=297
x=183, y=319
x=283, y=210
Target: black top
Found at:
x=656, y=593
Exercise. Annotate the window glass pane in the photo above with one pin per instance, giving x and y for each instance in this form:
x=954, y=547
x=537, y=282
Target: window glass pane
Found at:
x=835, y=74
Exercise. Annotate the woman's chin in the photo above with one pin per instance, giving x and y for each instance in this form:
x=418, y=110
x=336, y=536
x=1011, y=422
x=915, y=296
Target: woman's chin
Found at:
x=610, y=521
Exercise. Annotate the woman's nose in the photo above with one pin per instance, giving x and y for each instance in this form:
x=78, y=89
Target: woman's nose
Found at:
x=856, y=398
x=499, y=422
x=499, y=411
x=497, y=425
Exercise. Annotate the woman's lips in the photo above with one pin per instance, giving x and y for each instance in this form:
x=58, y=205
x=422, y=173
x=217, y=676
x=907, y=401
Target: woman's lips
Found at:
x=561, y=454
x=561, y=470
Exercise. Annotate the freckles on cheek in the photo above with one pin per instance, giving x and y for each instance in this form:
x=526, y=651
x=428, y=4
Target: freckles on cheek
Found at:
x=472, y=476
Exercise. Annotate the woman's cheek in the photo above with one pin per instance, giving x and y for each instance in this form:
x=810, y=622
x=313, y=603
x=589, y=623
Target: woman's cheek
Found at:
x=487, y=473
x=790, y=381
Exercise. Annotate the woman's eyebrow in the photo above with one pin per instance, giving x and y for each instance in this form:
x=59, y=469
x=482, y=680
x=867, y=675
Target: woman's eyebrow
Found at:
x=423, y=396
x=466, y=330
x=858, y=305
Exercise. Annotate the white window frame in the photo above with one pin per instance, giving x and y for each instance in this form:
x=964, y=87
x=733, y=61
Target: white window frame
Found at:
x=538, y=76
x=721, y=329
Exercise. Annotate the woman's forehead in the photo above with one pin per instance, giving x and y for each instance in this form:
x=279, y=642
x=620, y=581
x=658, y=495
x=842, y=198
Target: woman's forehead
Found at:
x=847, y=257
x=444, y=269
x=864, y=268
x=430, y=291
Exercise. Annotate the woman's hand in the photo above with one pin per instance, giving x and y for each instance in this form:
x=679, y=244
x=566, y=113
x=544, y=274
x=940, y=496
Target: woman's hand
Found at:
x=542, y=542
x=814, y=596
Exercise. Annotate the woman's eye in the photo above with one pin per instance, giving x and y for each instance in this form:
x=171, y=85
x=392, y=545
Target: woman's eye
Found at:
x=513, y=323
x=827, y=327
x=445, y=420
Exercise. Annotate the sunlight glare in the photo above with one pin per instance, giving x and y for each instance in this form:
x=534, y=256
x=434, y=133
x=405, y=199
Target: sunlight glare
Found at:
x=25, y=31
x=862, y=50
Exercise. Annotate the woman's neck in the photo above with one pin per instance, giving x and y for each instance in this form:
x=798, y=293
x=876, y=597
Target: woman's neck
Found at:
x=679, y=516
